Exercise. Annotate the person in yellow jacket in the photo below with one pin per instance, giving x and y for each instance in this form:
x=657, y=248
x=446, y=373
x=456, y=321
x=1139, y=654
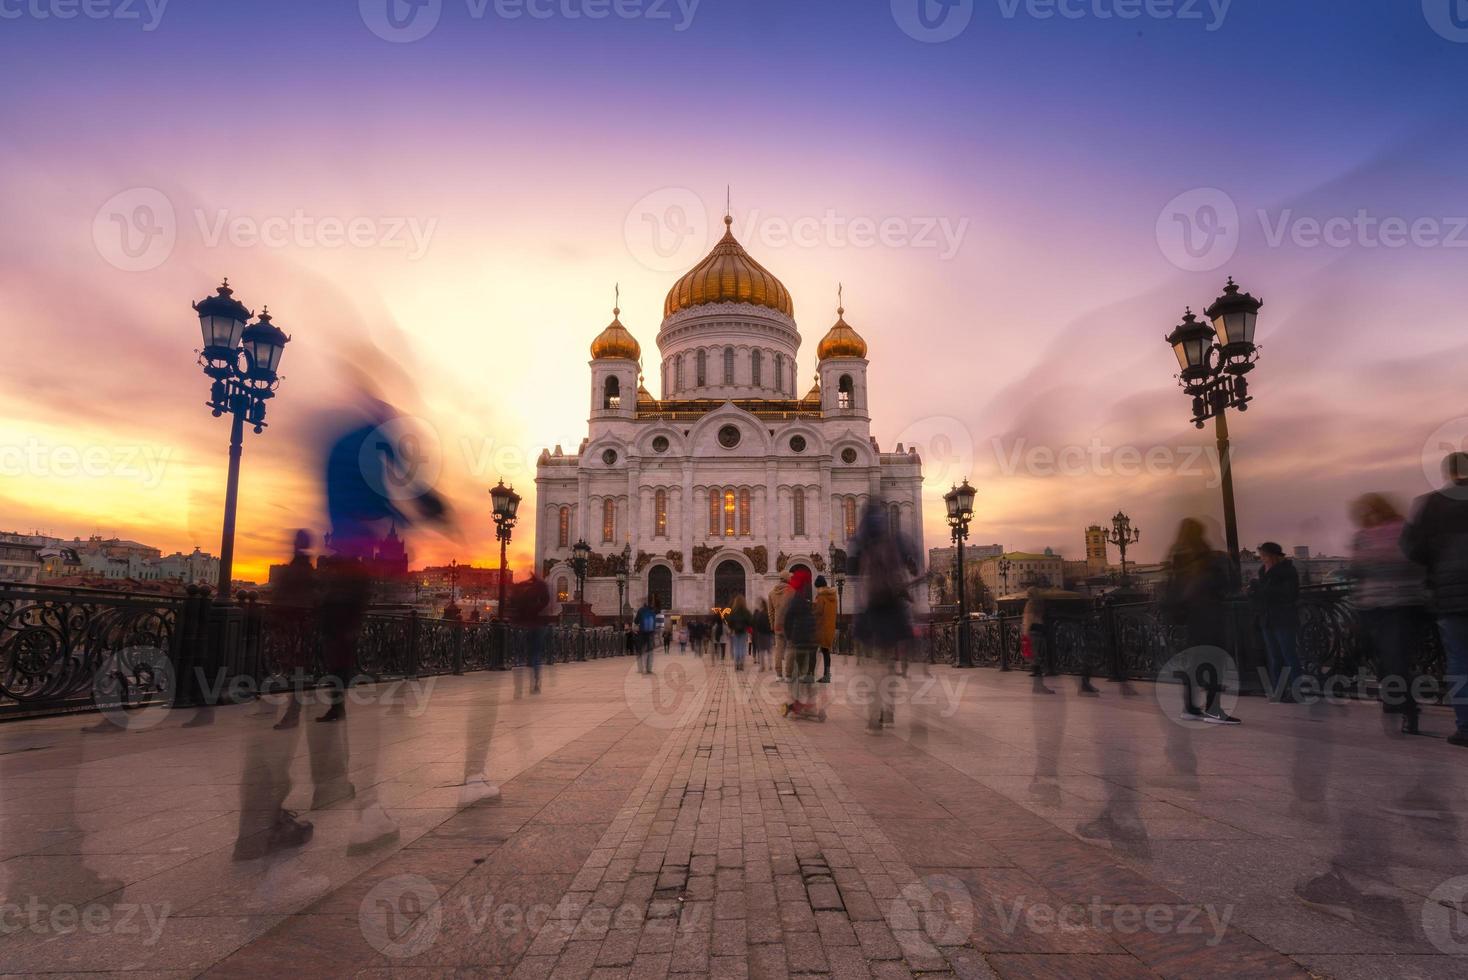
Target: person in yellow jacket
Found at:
x=825, y=624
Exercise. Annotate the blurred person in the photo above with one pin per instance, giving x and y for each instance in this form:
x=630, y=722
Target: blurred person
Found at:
x=1389, y=594
x=1276, y=597
x=778, y=596
x=667, y=635
x=739, y=625
x=1032, y=629
x=682, y=637
x=720, y=636
x=529, y=604
x=764, y=635
x=646, y=621
x=825, y=625
x=800, y=636
x=889, y=569
x=292, y=611
x=1435, y=536
x=1200, y=579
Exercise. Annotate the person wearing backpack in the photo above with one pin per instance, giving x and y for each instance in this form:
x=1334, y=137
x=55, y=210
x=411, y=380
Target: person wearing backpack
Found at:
x=739, y=625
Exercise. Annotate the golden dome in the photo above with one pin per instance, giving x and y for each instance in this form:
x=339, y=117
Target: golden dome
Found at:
x=841, y=340
x=729, y=275
x=615, y=341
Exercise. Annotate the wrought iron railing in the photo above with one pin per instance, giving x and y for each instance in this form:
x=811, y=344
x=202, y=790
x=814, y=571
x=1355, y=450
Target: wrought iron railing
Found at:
x=69, y=649
x=1132, y=640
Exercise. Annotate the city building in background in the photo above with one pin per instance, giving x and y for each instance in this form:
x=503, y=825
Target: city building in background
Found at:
x=733, y=475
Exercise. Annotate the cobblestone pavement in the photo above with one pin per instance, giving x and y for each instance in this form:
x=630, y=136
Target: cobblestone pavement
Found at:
x=680, y=825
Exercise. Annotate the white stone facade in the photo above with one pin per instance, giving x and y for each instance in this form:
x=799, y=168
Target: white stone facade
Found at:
x=728, y=479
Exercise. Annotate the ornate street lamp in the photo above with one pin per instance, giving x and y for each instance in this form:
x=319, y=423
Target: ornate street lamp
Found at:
x=1004, y=566
x=1123, y=535
x=622, y=567
x=838, y=574
x=243, y=363
x=1214, y=361
x=960, y=504
x=452, y=611
x=580, y=554
x=506, y=504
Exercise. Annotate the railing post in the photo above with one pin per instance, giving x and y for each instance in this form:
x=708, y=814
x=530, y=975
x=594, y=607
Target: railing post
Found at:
x=1111, y=635
x=458, y=629
x=410, y=662
x=1003, y=644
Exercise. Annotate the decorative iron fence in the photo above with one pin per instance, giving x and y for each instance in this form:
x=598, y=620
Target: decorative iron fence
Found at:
x=73, y=649
x=1131, y=640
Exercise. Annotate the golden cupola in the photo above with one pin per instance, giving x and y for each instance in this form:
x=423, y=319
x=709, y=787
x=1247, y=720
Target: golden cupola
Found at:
x=841, y=340
x=729, y=275
x=615, y=341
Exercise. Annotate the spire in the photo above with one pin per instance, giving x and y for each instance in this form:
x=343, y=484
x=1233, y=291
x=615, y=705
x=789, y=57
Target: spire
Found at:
x=617, y=303
x=840, y=300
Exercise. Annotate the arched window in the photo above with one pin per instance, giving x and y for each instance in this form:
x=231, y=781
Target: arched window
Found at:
x=848, y=516
x=660, y=514
x=612, y=393
x=779, y=371
x=894, y=517
x=845, y=393
x=608, y=519
x=728, y=365
x=730, y=505
x=797, y=510
x=678, y=372
x=744, y=513
x=754, y=368
x=563, y=589
x=716, y=520
x=701, y=359
x=563, y=531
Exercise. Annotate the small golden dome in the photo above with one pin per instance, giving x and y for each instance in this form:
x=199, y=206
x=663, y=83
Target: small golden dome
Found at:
x=729, y=275
x=615, y=341
x=841, y=340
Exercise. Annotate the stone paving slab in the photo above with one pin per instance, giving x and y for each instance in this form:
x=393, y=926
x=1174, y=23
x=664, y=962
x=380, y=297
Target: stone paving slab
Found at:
x=679, y=825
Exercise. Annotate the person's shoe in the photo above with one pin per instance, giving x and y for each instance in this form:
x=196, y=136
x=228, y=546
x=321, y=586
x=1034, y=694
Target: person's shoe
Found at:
x=1459, y=737
x=287, y=832
x=1409, y=723
x=336, y=712
x=1220, y=717
x=203, y=717
x=874, y=730
x=291, y=718
x=374, y=829
x=1374, y=909
x=825, y=679
x=1190, y=714
x=1039, y=688
x=476, y=789
x=1088, y=688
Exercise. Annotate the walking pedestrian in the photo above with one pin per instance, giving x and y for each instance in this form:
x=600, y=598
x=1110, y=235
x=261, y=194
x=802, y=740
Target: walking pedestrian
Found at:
x=825, y=609
x=779, y=595
x=889, y=569
x=1436, y=537
x=1032, y=631
x=646, y=622
x=740, y=624
x=800, y=639
x=1200, y=579
x=1276, y=596
x=764, y=635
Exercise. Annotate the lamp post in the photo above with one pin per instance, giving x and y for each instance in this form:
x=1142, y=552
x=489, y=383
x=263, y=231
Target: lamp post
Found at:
x=1004, y=566
x=960, y=503
x=580, y=553
x=1123, y=535
x=1215, y=361
x=622, y=585
x=451, y=611
x=505, y=503
x=243, y=363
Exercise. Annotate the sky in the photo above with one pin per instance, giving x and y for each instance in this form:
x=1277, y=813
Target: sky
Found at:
x=1020, y=197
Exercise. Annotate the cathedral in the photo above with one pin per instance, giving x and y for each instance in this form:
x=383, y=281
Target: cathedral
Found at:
x=733, y=475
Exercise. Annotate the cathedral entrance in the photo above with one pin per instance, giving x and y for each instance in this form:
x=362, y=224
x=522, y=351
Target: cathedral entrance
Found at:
x=660, y=587
x=801, y=564
x=728, y=583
